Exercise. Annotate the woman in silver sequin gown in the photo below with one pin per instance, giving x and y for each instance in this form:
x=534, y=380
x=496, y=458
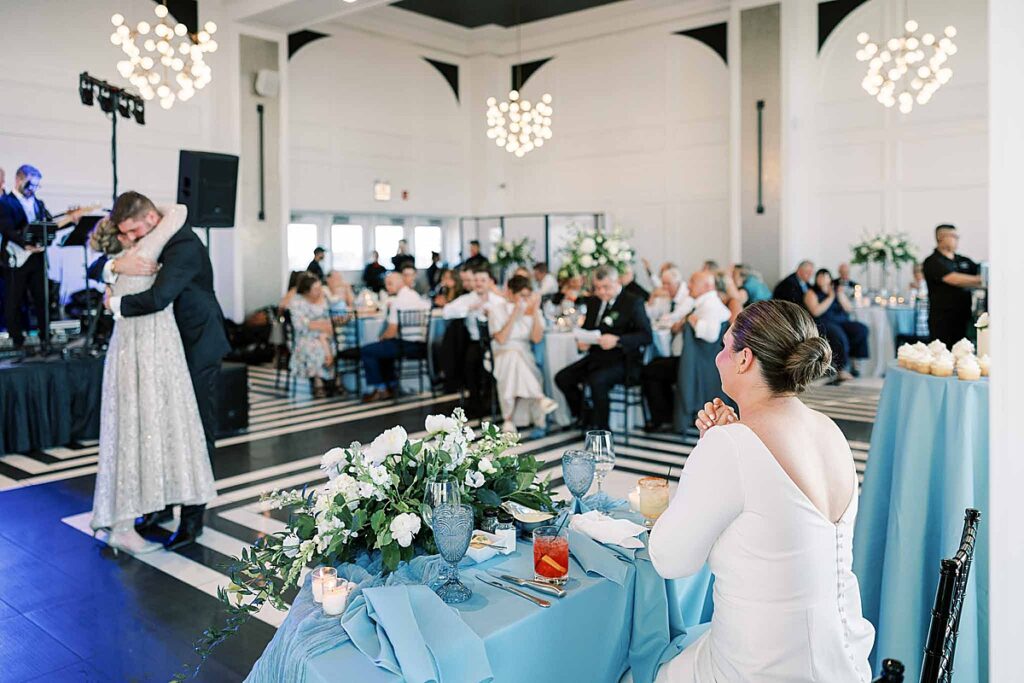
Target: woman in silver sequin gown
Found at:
x=152, y=451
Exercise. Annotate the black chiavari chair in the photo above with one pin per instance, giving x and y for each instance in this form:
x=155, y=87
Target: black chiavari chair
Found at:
x=628, y=394
x=413, y=361
x=892, y=672
x=348, y=359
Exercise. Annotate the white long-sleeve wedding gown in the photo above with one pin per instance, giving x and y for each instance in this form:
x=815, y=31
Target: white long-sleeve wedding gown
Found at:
x=152, y=450
x=787, y=605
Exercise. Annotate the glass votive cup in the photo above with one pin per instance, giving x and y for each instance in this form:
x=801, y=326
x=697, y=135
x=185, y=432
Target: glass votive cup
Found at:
x=551, y=554
x=336, y=594
x=653, y=498
x=321, y=574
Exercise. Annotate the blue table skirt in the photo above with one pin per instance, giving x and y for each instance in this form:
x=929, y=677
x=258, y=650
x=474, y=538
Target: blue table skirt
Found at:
x=582, y=637
x=928, y=462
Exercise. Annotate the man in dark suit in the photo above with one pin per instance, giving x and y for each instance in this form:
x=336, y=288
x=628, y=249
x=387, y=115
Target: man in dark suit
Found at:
x=185, y=279
x=26, y=269
x=373, y=273
x=476, y=259
x=624, y=327
x=795, y=285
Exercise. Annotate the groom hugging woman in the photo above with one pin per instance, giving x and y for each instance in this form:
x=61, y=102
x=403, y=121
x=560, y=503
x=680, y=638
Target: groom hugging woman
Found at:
x=157, y=414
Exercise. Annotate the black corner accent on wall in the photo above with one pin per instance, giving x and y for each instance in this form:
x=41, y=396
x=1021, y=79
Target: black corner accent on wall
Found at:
x=830, y=14
x=450, y=73
x=522, y=72
x=715, y=36
x=184, y=11
x=299, y=39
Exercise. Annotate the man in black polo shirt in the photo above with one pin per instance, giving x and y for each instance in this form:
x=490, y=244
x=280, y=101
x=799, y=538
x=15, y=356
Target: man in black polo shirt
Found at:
x=950, y=278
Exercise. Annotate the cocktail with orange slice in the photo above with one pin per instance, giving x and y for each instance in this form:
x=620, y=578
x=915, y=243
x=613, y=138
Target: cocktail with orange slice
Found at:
x=551, y=554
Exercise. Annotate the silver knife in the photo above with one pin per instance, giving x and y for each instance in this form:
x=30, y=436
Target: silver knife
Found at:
x=514, y=591
x=535, y=585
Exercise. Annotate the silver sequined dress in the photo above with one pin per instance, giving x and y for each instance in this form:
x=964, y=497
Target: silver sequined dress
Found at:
x=152, y=449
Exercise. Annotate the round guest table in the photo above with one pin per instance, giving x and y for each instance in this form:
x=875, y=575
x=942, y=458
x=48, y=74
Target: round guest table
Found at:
x=928, y=462
x=884, y=323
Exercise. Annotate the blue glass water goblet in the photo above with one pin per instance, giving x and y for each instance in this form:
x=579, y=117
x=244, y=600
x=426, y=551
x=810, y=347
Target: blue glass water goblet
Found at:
x=578, y=472
x=453, y=529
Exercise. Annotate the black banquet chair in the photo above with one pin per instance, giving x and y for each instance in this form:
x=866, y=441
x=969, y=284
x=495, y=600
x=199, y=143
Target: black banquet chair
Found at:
x=627, y=395
x=348, y=358
x=413, y=359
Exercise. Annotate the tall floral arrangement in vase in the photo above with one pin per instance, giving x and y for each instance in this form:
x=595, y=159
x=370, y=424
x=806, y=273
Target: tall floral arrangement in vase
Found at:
x=589, y=248
x=888, y=250
x=509, y=254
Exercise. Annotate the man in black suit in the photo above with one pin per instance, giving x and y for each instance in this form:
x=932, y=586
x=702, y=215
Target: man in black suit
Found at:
x=185, y=279
x=476, y=259
x=624, y=326
x=373, y=273
x=26, y=267
x=795, y=285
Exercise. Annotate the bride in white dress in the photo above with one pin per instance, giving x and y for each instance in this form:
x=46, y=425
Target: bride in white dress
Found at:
x=152, y=448
x=769, y=502
x=514, y=323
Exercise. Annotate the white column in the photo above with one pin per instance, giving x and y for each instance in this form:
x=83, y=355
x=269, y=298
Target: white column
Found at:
x=1006, y=398
x=799, y=232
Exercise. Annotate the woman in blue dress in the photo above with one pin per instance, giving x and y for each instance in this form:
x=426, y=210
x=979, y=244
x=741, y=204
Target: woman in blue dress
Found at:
x=831, y=310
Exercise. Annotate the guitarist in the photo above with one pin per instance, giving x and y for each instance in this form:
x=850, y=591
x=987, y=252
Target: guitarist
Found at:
x=26, y=269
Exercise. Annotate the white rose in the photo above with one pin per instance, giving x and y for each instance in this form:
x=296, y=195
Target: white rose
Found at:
x=404, y=527
x=877, y=244
x=365, y=489
x=474, y=479
x=380, y=475
x=588, y=245
x=612, y=247
x=602, y=260
x=436, y=424
x=486, y=466
x=626, y=255
x=586, y=261
x=388, y=443
x=333, y=461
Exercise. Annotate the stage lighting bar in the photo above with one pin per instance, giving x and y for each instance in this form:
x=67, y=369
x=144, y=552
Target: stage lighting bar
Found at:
x=111, y=98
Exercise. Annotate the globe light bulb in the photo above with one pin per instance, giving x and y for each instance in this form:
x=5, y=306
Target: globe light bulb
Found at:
x=513, y=95
x=142, y=27
x=491, y=102
x=546, y=98
x=180, y=30
x=911, y=26
x=115, y=38
x=160, y=11
x=117, y=19
x=950, y=32
x=863, y=38
x=211, y=46
x=210, y=27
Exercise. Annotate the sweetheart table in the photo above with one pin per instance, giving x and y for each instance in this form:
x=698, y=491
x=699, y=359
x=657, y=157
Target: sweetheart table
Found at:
x=592, y=634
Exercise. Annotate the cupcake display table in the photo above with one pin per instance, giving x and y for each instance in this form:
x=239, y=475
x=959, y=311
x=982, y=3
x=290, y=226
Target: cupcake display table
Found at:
x=928, y=462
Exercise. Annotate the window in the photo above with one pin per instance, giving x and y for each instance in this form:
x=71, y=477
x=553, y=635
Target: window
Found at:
x=346, y=246
x=385, y=241
x=301, y=243
x=428, y=239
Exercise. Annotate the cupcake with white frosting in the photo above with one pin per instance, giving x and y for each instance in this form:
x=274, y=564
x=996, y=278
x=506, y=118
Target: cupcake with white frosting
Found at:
x=921, y=361
x=962, y=348
x=937, y=347
x=968, y=368
x=942, y=364
x=904, y=354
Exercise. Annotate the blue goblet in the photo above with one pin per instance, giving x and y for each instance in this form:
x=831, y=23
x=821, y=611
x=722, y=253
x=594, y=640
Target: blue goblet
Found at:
x=578, y=473
x=453, y=529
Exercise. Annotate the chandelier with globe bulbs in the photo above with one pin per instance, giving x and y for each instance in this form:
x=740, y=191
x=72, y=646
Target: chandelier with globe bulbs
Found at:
x=517, y=125
x=164, y=60
x=908, y=68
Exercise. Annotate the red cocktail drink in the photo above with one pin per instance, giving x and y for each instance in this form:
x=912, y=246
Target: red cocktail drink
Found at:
x=550, y=554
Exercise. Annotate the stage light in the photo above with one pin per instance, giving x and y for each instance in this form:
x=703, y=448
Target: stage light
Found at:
x=85, y=89
x=124, y=107
x=106, y=99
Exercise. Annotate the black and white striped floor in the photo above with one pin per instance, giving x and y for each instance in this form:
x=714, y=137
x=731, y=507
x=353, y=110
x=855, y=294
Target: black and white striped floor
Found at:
x=280, y=450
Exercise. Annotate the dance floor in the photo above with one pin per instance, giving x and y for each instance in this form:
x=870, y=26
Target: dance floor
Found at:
x=72, y=611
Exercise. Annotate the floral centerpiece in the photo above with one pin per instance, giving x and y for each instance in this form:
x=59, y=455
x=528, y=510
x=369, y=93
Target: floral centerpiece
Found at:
x=374, y=502
x=589, y=248
x=509, y=254
x=886, y=250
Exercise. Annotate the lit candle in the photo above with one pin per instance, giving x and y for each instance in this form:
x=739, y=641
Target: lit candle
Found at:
x=336, y=596
x=321, y=574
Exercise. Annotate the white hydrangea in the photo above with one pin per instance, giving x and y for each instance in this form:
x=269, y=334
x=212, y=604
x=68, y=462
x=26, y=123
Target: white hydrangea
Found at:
x=586, y=261
x=334, y=461
x=389, y=442
x=346, y=485
x=474, y=479
x=404, y=527
x=588, y=245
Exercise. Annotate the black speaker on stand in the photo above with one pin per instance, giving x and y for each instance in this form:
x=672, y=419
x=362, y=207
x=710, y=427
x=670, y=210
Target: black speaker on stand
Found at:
x=207, y=185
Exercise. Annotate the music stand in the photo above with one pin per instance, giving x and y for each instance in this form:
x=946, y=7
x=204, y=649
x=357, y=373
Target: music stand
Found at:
x=41, y=234
x=79, y=237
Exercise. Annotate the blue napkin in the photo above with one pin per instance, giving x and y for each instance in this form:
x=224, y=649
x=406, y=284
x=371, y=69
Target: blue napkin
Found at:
x=599, y=559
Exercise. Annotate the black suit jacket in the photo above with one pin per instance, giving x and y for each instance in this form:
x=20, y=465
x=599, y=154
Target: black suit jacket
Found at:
x=186, y=280
x=790, y=290
x=13, y=221
x=636, y=290
x=626, y=318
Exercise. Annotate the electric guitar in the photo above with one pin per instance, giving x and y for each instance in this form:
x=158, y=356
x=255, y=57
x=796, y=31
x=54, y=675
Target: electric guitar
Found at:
x=17, y=255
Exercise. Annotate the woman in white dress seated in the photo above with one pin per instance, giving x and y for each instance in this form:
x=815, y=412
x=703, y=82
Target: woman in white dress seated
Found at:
x=769, y=499
x=514, y=323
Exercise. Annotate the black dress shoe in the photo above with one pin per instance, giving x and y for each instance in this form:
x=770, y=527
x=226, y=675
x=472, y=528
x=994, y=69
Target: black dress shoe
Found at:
x=149, y=523
x=189, y=530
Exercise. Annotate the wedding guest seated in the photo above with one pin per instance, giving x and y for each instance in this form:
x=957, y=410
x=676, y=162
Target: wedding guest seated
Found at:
x=831, y=310
x=408, y=272
x=340, y=297
x=776, y=499
x=570, y=290
x=379, y=357
x=286, y=300
x=466, y=278
x=448, y=289
x=624, y=328
x=373, y=273
x=515, y=322
x=629, y=285
x=918, y=284
x=744, y=287
x=793, y=287
x=705, y=313
x=844, y=280
x=546, y=282
x=312, y=353
x=670, y=296
x=462, y=356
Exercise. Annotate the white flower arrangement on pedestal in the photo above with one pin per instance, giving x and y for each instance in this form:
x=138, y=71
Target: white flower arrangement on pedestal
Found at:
x=588, y=249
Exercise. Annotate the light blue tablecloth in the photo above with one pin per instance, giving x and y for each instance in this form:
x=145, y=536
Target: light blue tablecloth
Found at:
x=928, y=462
x=592, y=634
